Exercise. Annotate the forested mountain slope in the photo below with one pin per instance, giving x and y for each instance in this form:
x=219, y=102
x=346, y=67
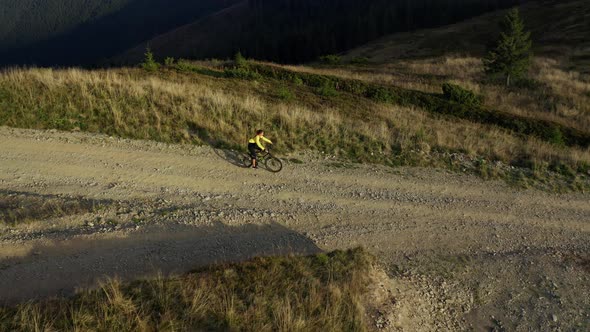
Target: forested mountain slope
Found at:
x=301, y=30
x=25, y=22
x=70, y=32
x=560, y=29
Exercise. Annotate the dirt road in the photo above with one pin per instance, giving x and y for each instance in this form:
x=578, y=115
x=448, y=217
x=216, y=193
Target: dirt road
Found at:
x=458, y=249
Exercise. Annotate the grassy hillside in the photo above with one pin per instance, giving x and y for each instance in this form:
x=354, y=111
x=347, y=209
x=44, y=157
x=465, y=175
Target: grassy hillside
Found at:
x=204, y=103
x=322, y=292
x=558, y=88
x=387, y=110
x=560, y=30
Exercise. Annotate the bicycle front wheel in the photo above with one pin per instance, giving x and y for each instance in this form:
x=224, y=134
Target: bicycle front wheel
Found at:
x=274, y=164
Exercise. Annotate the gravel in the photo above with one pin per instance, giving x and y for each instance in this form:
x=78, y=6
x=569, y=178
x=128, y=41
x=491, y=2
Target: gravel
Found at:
x=458, y=252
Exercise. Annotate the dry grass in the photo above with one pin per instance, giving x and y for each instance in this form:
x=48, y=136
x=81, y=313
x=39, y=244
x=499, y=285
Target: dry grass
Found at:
x=194, y=108
x=558, y=95
x=321, y=292
x=410, y=127
x=400, y=126
x=16, y=208
x=558, y=27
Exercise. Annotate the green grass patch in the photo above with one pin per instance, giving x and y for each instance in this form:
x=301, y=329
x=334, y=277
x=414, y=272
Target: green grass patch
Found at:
x=284, y=93
x=313, y=293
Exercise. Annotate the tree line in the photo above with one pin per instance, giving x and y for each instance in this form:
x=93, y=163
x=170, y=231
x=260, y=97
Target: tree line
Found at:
x=64, y=32
x=73, y=32
x=302, y=30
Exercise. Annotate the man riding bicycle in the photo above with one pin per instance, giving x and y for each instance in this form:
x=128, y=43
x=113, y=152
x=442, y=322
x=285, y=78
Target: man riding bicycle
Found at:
x=255, y=145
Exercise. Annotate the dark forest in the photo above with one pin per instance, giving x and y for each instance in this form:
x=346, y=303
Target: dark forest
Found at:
x=69, y=32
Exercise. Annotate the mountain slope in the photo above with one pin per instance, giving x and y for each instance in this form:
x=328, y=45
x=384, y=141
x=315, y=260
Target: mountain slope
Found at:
x=301, y=30
x=559, y=29
x=557, y=88
x=70, y=32
x=25, y=22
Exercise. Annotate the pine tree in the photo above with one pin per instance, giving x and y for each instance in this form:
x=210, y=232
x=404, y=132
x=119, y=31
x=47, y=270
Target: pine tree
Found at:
x=149, y=63
x=512, y=54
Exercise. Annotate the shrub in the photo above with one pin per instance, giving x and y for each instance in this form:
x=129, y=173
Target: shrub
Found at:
x=563, y=169
x=285, y=94
x=359, y=60
x=331, y=59
x=183, y=66
x=556, y=137
x=149, y=63
x=169, y=62
x=380, y=94
x=455, y=93
x=242, y=73
x=297, y=80
x=241, y=69
x=584, y=167
x=240, y=61
x=327, y=89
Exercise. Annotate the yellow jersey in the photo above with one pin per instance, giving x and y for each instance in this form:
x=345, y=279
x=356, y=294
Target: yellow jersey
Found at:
x=256, y=140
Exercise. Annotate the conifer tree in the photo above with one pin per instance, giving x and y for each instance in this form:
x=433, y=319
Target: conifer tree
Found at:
x=149, y=63
x=511, y=55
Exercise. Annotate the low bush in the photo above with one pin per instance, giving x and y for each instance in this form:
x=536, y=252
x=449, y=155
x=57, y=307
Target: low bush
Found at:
x=285, y=94
x=359, y=60
x=297, y=81
x=331, y=59
x=381, y=94
x=169, y=62
x=458, y=94
x=184, y=66
x=242, y=73
x=327, y=90
x=556, y=137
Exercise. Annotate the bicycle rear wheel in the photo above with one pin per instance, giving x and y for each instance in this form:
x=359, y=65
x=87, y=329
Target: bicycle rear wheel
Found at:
x=273, y=164
x=246, y=161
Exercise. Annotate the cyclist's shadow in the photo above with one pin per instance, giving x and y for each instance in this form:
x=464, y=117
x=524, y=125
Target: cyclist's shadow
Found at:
x=235, y=158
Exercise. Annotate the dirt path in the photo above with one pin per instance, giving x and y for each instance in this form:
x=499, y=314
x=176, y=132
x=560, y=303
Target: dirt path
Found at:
x=466, y=248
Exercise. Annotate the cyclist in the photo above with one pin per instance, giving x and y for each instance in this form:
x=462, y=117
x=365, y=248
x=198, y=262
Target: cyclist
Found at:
x=255, y=145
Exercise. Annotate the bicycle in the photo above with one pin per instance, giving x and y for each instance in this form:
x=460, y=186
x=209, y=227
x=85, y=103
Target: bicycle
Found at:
x=271, y=162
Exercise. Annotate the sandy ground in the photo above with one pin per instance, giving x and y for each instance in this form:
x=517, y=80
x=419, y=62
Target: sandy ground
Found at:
x=460, y=253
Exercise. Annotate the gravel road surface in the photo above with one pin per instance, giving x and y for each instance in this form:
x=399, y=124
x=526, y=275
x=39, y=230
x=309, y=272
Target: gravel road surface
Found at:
x=460, y=252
